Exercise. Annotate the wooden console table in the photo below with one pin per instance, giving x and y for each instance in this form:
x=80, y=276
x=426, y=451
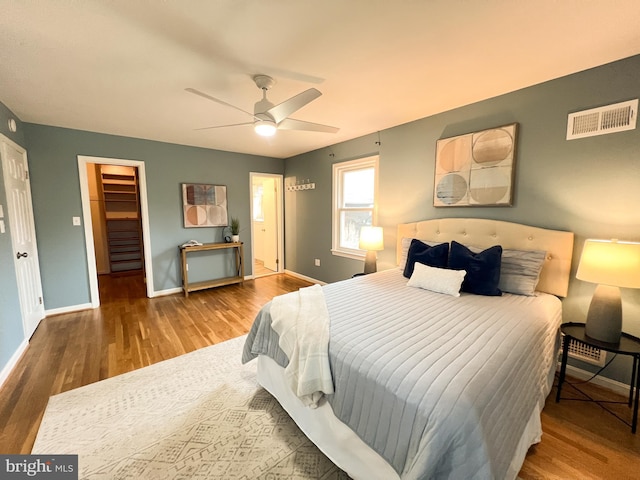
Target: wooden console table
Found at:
x=191, y=287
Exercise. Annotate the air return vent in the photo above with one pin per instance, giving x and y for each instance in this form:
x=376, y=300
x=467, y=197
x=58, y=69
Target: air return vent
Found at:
x=587, y=353
x=617, y=117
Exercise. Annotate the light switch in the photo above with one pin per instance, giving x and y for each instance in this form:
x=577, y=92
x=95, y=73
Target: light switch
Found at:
x=76, y=221
x=1, y=226
x=1, y=212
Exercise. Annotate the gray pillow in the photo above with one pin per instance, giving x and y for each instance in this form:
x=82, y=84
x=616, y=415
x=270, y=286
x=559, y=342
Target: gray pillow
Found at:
x=520, y=271
x=404, y=249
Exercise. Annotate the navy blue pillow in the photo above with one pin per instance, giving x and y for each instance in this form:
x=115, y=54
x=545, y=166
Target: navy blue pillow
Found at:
x=483, y=268
x=420, y=252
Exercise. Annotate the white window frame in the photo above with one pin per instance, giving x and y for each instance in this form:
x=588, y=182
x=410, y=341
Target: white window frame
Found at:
x=338, y=170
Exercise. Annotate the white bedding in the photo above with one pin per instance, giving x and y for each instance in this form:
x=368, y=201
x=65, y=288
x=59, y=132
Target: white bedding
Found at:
x=301, y=320
x=438, y=386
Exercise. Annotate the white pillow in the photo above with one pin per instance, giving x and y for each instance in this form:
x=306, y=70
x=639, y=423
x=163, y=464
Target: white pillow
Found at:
x=439, y=280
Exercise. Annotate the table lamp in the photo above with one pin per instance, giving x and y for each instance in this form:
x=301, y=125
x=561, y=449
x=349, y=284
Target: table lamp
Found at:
x=371, y=241
x=611, y=264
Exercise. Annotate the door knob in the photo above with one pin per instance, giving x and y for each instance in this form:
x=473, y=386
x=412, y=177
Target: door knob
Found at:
x=25, y=254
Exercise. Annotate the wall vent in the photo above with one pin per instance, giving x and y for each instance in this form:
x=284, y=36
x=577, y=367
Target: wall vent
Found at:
x=586, y=353
x=617, y=117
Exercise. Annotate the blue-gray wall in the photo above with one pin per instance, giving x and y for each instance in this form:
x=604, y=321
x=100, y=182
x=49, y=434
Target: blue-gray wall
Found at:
x=55, y=189
x=11, y=329
x=589, y=186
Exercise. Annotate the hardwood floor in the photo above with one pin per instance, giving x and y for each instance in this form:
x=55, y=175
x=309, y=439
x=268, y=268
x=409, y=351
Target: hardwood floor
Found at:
x=129, y=331
x=259, y=270
x=583, y=441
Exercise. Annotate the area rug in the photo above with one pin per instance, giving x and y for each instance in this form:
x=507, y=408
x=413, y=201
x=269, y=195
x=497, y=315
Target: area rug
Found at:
x=198, y=416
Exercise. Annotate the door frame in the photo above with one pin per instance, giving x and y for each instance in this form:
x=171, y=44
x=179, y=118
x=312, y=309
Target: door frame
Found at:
x=279, y=179
x=92, y=269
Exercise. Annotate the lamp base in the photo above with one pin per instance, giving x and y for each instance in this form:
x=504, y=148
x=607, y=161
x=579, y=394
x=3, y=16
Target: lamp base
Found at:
x=604, y=319
x=370, y=262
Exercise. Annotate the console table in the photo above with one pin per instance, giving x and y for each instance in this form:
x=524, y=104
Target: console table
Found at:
x=191, y=287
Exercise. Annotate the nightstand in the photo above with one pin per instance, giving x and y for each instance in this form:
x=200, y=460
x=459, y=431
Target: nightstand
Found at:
x=628, y=345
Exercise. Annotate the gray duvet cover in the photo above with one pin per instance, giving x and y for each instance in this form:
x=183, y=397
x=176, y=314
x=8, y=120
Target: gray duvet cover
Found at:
x=439, y=386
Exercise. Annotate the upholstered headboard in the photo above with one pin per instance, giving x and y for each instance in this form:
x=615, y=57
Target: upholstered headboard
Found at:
x=477, y=232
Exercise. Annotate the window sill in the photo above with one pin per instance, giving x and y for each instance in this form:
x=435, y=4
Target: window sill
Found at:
x=354, y=256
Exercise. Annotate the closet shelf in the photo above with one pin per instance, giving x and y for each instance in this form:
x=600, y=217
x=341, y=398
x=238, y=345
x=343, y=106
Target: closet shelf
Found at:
x=123, y=229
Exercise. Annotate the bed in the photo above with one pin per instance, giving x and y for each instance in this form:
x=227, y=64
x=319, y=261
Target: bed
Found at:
x=426, y=384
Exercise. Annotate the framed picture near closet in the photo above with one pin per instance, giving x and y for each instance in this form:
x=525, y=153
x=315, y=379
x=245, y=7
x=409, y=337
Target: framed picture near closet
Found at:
x=476, y=169
x=204, y=205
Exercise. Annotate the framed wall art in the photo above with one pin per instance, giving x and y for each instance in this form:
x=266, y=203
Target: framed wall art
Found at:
x=476, y=169
x=204, y=205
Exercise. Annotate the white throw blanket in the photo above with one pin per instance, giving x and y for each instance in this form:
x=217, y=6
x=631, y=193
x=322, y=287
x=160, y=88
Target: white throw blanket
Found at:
x=301, y=319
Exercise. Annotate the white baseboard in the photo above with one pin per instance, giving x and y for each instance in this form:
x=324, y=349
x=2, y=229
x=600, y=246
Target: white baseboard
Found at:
x=13, y=361
x=69, y=309
x=613, y=385
x=168, y=291
x=304, y=277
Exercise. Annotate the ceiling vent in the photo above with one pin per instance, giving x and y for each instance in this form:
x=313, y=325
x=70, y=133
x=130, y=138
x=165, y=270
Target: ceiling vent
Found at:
x=617, y=117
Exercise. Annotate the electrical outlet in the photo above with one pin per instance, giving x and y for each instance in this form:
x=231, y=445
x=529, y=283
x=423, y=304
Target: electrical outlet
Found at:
x=317, y=262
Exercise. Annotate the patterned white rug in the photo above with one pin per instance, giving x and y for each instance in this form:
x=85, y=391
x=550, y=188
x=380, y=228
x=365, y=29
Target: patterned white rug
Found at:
x=198, y=416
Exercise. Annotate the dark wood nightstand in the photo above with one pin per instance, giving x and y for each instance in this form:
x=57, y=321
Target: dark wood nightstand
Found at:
x=628, y=345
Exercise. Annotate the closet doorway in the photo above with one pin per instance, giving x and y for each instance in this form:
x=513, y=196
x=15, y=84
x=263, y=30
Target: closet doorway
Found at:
x=116, y=227
x=266, y=224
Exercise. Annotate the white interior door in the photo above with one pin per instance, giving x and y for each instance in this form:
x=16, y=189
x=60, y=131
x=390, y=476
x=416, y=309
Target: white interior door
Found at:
x=270, y=210
x=23, y=234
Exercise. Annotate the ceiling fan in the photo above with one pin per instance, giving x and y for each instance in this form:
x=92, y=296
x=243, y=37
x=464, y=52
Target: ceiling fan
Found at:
x=267, y=117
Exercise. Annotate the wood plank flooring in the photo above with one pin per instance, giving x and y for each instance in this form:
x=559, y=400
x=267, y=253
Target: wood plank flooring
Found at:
x=129, y=331
x=259, y=270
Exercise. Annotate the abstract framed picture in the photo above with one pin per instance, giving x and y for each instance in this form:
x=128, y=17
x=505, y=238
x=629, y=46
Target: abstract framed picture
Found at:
x=204, y=205
x=476, y=169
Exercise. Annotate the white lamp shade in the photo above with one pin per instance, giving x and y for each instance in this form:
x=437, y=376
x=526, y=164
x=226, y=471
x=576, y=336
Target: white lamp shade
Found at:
x=371, y=238
x=610, y=262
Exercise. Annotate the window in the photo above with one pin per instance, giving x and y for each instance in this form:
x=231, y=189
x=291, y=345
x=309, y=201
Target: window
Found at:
x=354, y=201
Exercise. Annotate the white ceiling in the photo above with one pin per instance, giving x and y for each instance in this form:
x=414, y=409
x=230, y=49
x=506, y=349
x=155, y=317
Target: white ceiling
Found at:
x=121, y=67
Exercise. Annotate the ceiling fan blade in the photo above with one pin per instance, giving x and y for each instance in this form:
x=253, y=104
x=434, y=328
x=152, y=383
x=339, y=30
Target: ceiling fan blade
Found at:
x=292, y=124
x=217, y=100
x=220, y=126
x=286, y=108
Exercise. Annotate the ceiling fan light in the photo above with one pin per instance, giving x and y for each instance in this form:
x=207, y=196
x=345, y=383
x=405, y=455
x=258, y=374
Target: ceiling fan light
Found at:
x=265, y=128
